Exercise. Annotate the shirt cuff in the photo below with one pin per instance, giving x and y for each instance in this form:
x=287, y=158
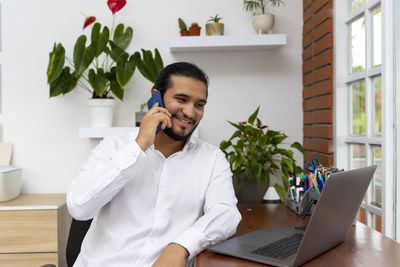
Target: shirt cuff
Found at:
x=127, y=156
x=193, y=240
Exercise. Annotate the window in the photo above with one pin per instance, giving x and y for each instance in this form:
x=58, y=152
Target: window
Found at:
x=363, y=108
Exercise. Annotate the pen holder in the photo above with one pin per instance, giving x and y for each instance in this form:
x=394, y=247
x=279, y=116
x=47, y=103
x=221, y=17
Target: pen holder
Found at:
x=306, y=205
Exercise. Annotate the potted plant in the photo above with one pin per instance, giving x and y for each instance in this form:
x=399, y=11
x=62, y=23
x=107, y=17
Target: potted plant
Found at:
x=264, y=22
x=101, y=68
x=215, y=27
x=140, y=114
x=183, y=28
x=254, y=153
x=194, y=29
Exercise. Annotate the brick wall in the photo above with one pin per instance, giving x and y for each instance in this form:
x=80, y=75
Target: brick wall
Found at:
x=318, y=80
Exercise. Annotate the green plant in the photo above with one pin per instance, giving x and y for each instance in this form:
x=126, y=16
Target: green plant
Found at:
x=216, y=19
x=254, y=5
x=142, y=107
x=101, y=67
x=182, y=25
x=150, y=66
x=194, y=24
x=256, y=151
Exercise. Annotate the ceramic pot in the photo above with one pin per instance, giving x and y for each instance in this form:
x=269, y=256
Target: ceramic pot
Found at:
x=101, y=111
x=194, y=31
x=263, y=23
x=185, y=33
x=215, y=28
x=249, y=191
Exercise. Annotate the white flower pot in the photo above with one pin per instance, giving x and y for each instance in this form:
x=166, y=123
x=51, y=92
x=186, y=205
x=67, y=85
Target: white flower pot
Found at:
x=263, y=23
x=101, y=111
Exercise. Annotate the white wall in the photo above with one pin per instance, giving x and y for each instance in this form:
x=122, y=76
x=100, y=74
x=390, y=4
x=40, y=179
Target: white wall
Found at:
x=45, y=131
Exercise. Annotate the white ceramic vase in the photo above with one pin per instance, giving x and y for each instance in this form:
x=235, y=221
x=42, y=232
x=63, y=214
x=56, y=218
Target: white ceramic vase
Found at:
x=101, y=111
x=263, y=23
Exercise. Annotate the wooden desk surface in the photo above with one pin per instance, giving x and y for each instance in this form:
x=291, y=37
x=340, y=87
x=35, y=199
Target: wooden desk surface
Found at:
x=362, y=247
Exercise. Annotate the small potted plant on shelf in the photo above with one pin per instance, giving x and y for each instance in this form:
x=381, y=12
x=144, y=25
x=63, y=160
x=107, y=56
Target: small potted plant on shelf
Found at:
x=140, y=114
x=255, y=153
x=215, y=27
x=183, y=28
x=262, y=22
x=194, y=29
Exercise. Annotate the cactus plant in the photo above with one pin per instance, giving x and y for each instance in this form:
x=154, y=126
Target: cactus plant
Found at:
x=182, y=24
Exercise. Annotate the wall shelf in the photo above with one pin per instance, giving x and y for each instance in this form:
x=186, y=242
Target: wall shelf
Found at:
x=227, y=43
x=99, y=132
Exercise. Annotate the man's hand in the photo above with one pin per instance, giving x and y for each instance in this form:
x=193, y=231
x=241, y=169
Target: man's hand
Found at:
x=174, y=255
x=149, y=123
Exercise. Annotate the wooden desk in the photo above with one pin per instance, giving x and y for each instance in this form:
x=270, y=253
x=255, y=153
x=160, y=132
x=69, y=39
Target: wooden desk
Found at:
x=362, y=247
x=34, y=230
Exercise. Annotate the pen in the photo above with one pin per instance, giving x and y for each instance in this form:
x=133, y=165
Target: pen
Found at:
x=316, y=187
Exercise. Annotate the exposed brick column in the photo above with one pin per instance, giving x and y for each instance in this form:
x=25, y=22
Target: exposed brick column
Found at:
x=318, y=80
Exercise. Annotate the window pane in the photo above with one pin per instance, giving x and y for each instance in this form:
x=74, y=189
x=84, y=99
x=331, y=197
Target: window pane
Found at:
x=377, y=180
x=357, y=157
x=378, y=105
x=358, y=108
x=356, y=4
x=377, y=36
x=357, y=28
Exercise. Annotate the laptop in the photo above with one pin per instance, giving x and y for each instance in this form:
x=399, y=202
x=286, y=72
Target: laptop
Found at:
x=328, y=226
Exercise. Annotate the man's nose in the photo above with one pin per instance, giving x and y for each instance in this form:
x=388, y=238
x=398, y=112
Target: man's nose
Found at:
x=189, y=111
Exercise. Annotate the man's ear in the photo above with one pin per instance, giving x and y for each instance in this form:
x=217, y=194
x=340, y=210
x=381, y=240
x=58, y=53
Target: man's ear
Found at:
x=153, y=91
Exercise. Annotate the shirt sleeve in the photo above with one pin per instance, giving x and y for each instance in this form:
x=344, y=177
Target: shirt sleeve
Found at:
x=102, y=177
x=221, y=216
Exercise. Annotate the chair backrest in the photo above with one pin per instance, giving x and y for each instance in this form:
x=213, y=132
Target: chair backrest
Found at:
x=77, y=233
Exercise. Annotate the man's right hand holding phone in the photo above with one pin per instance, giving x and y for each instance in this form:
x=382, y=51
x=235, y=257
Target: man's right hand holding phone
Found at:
x=149, y=124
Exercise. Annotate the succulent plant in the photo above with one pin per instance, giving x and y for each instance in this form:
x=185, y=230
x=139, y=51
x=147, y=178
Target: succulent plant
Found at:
x=216, y=19
x=182, y=24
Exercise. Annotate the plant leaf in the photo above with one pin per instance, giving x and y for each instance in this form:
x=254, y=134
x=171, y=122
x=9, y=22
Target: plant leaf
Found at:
x=149, y=61
x=280, y=192
x=298, y=146
x=98, y=81
x=224, y=145
x=253, y=116
x=125, y=68
x=99, y=40
x=65, y=83
x=56, y=62
x=122, y=38
x=115, y=51
x=83, y=56
x=278, y=139
x=158, y=61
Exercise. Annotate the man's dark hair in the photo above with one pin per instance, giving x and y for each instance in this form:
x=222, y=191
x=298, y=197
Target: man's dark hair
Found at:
x=163, y=81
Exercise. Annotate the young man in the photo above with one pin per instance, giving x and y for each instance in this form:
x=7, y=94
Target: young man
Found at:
x=157, y=199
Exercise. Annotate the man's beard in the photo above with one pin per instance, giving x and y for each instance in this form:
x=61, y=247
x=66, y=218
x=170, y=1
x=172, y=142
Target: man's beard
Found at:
x=178, y=136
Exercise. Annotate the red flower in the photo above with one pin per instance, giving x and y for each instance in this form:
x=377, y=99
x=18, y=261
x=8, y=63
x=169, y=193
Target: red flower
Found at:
x=116, y=5
x=88, y=21
x=256, y=137
x=243, y=122
x=263, y=127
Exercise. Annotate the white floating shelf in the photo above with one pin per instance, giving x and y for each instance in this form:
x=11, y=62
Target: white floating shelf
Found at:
x=227, y=43
x=99, y=132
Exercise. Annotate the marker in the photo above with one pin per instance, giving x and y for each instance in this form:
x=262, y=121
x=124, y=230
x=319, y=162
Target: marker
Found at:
x=316, y=187
x=321, y=181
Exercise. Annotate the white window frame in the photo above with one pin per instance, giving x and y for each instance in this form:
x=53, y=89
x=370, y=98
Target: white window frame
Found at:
x=342, y=107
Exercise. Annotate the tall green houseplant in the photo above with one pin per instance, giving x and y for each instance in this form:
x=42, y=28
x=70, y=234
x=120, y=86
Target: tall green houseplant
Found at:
x=256, y=151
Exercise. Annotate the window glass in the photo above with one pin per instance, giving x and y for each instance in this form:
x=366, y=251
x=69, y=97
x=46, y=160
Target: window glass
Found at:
x=358, y=108
x=357, y=29
x=377, y=105
x=377, y=180
x=357, y=156
x=377, y=37
x=377, y=222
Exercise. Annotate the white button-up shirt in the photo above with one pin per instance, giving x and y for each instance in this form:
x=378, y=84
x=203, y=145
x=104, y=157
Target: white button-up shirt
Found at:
x=142, y=201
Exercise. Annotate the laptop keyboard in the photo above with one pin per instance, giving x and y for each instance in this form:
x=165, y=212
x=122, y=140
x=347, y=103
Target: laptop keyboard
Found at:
x=282, y=248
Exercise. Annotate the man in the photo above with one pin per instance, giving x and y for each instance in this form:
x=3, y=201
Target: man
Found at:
x=157, y=199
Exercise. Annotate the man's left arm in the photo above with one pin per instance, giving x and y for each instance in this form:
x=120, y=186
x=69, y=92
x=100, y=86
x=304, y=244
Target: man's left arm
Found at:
x=221, y=216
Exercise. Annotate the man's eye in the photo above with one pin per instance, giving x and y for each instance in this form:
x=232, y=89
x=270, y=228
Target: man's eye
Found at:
x=200, y=105
x=181, y=100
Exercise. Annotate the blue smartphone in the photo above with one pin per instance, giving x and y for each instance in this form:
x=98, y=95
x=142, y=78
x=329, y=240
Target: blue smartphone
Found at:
x=156, y=98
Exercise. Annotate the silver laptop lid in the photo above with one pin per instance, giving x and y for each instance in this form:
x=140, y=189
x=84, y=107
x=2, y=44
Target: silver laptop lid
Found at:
x=334, y=213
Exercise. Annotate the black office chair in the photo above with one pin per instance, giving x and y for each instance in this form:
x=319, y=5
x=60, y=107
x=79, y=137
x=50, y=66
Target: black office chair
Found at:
x=77, y=232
